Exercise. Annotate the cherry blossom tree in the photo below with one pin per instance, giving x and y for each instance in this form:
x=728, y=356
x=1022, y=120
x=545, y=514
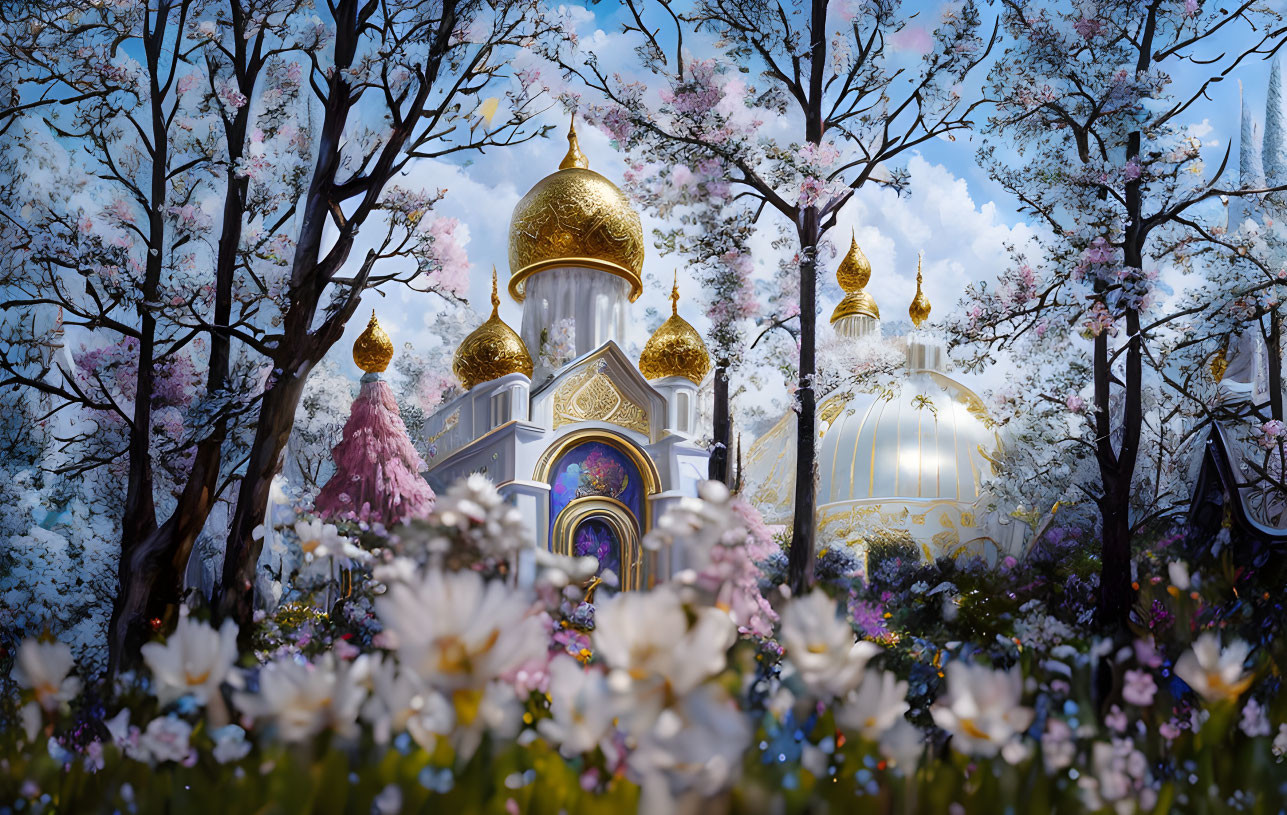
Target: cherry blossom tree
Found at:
x=189, y=193
x=1090, y=136
x=849, y=89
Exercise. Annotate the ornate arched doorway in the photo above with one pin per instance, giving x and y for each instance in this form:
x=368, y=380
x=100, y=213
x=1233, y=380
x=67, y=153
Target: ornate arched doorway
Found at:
x=599, y=488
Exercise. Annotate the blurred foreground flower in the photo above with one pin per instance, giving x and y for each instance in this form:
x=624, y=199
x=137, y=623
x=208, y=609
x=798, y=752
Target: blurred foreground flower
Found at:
x=822, y=647
x=43, y=667
x=981, y=708
x=1215, y=673
x=194, y=660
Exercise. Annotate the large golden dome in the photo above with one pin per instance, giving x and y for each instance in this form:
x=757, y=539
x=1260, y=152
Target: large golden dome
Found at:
x=675, y=349
x=493, y=350
x=575, y=217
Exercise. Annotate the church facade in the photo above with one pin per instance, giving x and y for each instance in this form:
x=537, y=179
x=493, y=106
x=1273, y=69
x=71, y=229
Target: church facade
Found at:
x=595, y=448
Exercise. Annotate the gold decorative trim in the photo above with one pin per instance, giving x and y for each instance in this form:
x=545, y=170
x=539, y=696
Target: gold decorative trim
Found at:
x=618, y=517
x=592, y=395
x=647, y=469
x=517, y=280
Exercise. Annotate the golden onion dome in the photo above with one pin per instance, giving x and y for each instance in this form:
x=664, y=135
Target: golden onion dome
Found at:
x=373, y=349
x=493, y=350
x=675, y=349
x=855, y=270
x=919, y=310
x=853, y=275
x=575, y=217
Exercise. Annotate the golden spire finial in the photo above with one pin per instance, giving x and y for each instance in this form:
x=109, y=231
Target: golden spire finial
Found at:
x=920, y=308
x=495, y=293
x=574, y=158
x=855, y=270
x=373, y=349
x=674, y=296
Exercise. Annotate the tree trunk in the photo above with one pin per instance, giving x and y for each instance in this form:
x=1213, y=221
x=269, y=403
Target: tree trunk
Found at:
x=1274, y=353
x=722, y=427
x=809, y=229
x=138, y=519
x=154, y=585
x=236, y=596
x=800, y=558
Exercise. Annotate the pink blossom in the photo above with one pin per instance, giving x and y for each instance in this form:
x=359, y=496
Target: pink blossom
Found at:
x=1116, y=719
x=1139, y=688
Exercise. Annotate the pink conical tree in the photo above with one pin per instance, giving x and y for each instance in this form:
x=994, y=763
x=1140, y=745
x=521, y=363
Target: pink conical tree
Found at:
x=377, y=469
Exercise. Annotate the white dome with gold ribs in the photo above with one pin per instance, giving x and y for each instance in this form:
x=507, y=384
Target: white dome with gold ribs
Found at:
x=903, y=465
x=912, y=461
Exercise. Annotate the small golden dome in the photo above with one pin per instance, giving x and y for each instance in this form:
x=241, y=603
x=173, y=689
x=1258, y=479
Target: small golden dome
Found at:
x=575, y=217
x=855, y=270
x=373, y=349
x=853, y=275
x=919, y=310
x=493, y=350
x=675, y=349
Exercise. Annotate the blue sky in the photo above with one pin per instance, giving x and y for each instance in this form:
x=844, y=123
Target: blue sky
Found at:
x=955, y=214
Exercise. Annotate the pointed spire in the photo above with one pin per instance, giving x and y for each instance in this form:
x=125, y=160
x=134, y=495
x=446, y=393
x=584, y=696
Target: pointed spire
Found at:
x=1272, y=151
x=1250, y=170
x=495, y=294
x=574, y=158
x=674, y=296
x=919, y=310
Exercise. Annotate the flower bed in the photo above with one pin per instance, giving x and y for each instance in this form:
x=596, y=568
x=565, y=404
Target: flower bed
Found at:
x=435, y=685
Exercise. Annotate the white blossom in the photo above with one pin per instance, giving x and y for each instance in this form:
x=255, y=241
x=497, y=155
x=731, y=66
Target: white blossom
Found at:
x=303, y=699
x=458, y=631
x=822, y=647
x=43, y=667
x=1215, y=673
x=166, y=738
x=194, y=660
x=874, y=707
x=981, y=708
x=581, y=708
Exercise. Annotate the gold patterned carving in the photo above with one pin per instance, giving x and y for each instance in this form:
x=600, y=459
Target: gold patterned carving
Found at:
x=830, y=409
x=575, y=217
x=448, y=424
x=591, y=395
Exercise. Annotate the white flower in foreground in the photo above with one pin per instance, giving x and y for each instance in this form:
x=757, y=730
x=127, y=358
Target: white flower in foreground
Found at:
x=194, y=660
x=879, y=702
x=1215, y=673
x=1178, y=572
x=822, y=646
x=581, y=709
x=654, y=653
x=394, y=695
x=318, y=539
x=166, y=738
x=474, y=507
x=302, y=699
x=458, y=631
x=44, y=667
x=697, y=745
x=981, y=708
